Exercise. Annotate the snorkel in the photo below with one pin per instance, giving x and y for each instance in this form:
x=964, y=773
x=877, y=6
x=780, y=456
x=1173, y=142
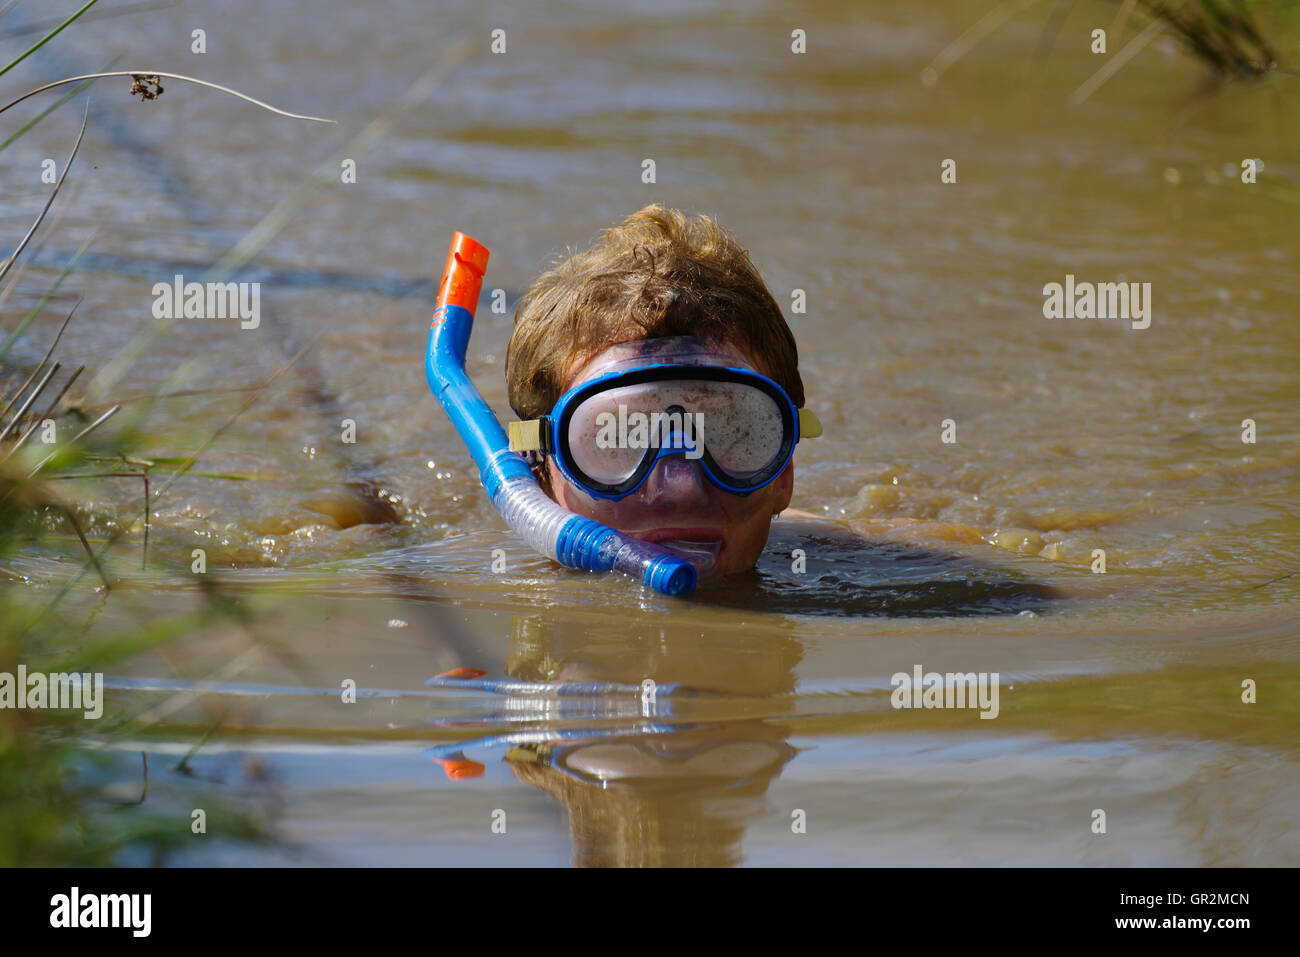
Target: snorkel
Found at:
x=571, y=540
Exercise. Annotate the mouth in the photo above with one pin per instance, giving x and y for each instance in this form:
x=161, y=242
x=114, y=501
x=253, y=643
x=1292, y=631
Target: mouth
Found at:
x=702, y=547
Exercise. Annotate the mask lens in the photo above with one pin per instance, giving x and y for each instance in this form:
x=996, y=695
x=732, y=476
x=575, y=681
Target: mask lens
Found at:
x=744, y=433
x=603, y=446
x=739, y=425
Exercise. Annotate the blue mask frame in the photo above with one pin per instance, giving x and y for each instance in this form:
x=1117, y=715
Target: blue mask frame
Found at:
x=548, y=435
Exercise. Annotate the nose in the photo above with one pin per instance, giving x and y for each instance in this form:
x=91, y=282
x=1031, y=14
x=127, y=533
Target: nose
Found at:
x=674, y=480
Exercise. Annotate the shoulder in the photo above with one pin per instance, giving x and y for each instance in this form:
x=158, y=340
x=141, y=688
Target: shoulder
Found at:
x=883, y=529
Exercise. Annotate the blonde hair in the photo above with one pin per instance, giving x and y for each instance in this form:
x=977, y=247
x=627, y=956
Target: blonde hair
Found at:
x=658, y=273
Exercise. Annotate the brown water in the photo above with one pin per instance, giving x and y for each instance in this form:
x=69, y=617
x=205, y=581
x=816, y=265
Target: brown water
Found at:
x=373, y=561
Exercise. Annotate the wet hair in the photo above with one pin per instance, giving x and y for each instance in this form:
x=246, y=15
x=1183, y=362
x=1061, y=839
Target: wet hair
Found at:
x=658, y=273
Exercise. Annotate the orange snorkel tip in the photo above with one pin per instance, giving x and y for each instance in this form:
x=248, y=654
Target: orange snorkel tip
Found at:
x=462, y=673
x=462, y=279
x=461, y=768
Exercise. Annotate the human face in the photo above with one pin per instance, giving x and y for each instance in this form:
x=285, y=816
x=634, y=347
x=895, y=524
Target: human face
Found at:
x=677, y=503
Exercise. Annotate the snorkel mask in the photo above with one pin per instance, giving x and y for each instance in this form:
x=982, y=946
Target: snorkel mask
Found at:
x=642, y=401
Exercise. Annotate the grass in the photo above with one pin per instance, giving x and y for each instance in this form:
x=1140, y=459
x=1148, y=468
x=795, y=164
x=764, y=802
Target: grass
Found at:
x=61, y=776
x=58, y=771
x=1222, y=34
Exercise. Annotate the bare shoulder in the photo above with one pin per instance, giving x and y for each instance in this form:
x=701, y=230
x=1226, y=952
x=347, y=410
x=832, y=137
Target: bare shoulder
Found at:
x=886, y=529
x=800, y=513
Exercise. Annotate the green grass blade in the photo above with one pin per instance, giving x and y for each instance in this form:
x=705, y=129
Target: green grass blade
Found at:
x=48, y=37
x=36, y=309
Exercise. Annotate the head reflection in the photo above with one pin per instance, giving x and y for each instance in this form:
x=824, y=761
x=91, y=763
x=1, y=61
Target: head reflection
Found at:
x=680, y=787
x=677, y=799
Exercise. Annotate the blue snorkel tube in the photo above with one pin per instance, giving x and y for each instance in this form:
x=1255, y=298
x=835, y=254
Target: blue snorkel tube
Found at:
x=554, y=531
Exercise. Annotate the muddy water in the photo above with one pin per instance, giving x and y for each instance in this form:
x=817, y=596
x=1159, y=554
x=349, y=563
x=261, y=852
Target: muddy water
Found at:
x=374, y=561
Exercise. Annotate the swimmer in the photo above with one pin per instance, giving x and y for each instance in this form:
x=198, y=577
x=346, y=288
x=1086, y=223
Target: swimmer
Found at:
x=658, y=387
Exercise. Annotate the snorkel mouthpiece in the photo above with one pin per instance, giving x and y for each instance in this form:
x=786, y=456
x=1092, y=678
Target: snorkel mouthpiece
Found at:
x=554, y=531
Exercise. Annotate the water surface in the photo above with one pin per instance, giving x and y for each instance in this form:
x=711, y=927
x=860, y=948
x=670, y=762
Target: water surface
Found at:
x=374, y=561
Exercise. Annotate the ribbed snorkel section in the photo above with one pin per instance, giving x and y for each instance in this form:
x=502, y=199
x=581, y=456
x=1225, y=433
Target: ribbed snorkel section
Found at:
x=552, y=530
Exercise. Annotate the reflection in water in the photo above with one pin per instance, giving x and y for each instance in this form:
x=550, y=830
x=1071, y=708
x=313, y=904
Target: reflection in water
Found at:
x=641, y=735
x=679, y=791
x=671, y=773
x=681, y=799
x=664, y=650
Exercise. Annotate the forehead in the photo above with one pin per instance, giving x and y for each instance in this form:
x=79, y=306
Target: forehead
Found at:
x=687, y=350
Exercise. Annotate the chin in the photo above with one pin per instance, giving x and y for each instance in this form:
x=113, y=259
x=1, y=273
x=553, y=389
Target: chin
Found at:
x=734, y=563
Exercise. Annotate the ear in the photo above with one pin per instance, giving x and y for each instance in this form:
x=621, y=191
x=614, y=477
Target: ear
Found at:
x=784, y=486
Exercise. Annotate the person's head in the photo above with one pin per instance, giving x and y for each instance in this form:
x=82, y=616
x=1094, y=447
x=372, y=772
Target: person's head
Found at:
x=661, y=288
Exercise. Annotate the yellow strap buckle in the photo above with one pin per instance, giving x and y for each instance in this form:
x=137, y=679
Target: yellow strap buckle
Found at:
x=809, y=425
x=526, y=436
